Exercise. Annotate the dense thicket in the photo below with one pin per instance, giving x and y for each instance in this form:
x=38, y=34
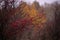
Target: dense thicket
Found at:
x=29, y=22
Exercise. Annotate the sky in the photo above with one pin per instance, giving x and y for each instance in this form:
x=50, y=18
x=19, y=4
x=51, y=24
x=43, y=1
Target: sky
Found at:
x=41, y=2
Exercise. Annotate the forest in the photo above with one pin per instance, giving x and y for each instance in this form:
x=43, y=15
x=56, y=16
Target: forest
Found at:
x=29, y=22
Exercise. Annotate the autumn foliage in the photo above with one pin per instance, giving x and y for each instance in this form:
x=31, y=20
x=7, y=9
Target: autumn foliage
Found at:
x=26, y=22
